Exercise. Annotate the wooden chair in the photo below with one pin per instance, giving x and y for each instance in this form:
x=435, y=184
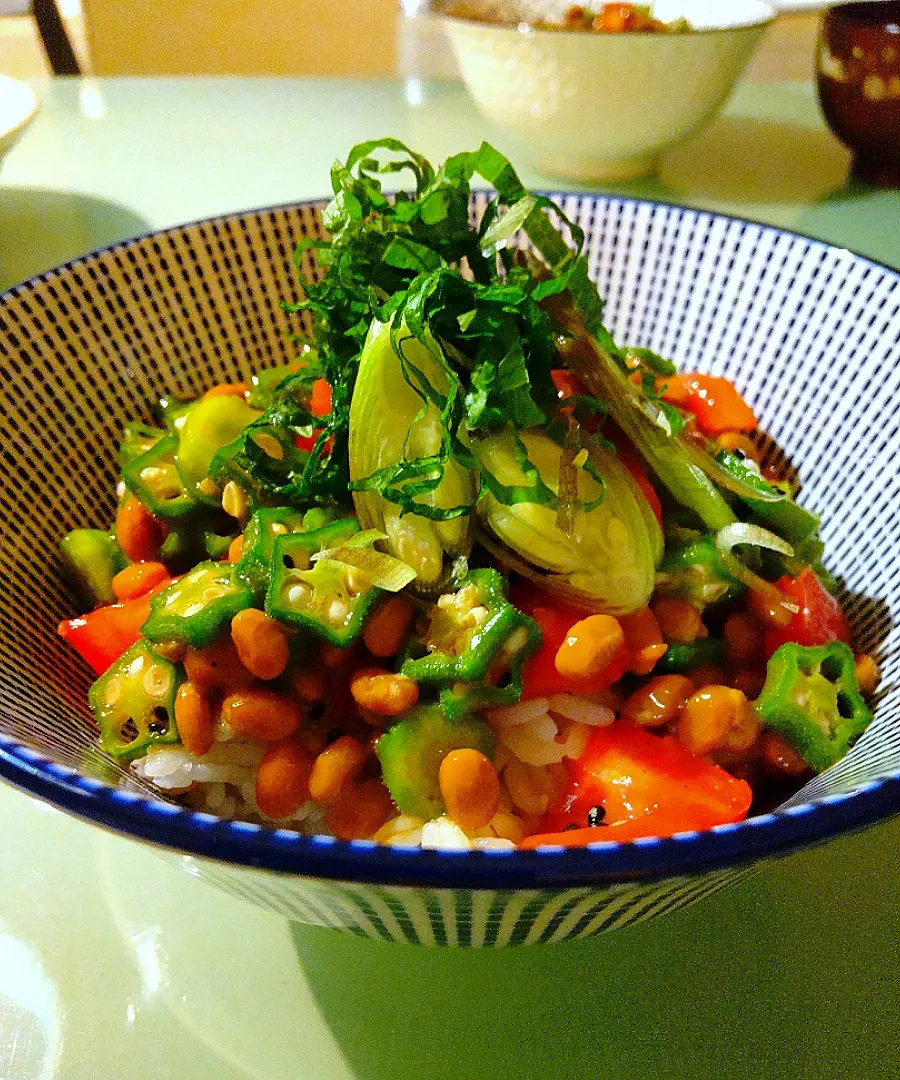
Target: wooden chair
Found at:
x=241, y=37
x=54, y=38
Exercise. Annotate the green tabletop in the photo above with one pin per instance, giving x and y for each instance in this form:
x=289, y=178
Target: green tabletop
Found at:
x=115, y=964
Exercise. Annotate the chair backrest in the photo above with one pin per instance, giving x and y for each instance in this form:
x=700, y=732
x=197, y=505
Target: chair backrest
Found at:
x=242, y=37
x=54, y=38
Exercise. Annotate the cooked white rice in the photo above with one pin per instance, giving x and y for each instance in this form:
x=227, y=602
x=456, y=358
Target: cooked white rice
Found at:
x=540, y=732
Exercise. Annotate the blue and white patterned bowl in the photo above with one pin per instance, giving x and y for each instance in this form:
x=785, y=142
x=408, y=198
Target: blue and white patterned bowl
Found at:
x=810, y=332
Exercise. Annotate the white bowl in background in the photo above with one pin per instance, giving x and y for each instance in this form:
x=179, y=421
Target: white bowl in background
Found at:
x=18, y=106
x=595, y=106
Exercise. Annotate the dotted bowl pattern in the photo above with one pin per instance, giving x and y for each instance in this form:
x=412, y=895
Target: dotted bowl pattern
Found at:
x=811, y=333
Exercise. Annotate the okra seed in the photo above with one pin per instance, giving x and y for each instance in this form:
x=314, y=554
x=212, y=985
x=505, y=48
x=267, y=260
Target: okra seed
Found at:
x=209, y=488
x=134, y=668
x=298, y=593
x=128, y=732
x=156, y=681
x=113, y=690
x=193, y=609
x=159, y=725
x=212, y=592
x=478, y=616
x=354, y=582
x=338, y=612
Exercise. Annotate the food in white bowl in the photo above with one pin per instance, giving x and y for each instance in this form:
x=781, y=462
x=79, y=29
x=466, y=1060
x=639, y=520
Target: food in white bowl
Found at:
x=809, y=334
x=466, y=573
x=601, y=106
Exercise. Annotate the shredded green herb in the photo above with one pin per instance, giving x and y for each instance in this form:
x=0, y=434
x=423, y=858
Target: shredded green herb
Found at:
x=415, y=260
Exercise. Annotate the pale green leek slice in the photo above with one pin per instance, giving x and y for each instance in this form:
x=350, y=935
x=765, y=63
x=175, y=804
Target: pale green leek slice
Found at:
x=394, y=418
x=606, y=560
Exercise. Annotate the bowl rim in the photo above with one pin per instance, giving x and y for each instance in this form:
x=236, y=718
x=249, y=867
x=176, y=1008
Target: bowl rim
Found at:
x=21, y=94
x=768, y=14
x=183, y=831
x=176, y=829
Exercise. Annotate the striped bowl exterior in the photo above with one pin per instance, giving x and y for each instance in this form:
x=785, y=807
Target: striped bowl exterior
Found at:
x=810, y=332
x=474, y=918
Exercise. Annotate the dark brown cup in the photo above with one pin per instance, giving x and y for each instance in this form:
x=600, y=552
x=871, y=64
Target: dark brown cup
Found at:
x=858, y=72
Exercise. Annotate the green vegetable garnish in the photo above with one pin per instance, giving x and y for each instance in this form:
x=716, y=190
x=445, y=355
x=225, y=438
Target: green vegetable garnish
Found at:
x=134, y=703
x=607, y=557
x=137, y=438
x=153, y=476
x=255, y=566
x=438, y=339
x=693, y=570
x=399, y=450
x=411, y=753
x=491, y=346
x=469, y=629
x=312, y=590
x=197, y=607
x=91, y=558
x=812, y=698
x=209, y=425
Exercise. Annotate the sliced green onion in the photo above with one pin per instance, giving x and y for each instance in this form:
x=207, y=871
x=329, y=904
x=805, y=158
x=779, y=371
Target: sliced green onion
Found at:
x=647, y=426
x=380, y=569
x=740, y=533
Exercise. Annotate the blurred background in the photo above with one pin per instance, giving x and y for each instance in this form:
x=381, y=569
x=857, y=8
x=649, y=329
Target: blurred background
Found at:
x=284, y=37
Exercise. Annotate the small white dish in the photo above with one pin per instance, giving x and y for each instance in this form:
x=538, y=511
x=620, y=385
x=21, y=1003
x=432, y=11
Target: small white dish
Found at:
x=18, y=106
x=596, y=107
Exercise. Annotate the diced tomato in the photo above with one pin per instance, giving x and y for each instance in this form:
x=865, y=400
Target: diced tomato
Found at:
x=320, y=398
x=713, y=400
x=567, y=383
x=674, y=389
x=647, y=785
x=319, y=405
x=539, y=675
x=819, y=620
x=102, y=635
